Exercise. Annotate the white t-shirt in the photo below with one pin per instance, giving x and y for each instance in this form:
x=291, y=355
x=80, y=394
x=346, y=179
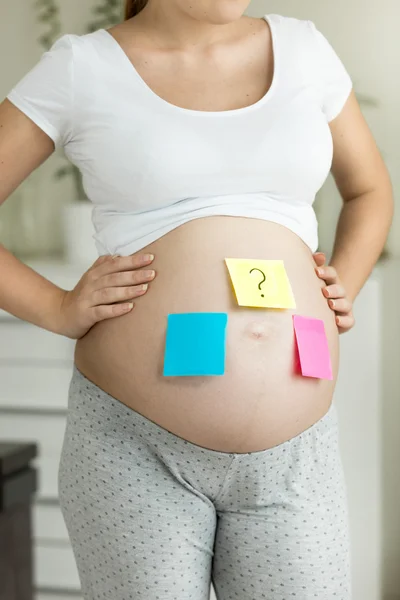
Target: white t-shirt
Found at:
x=149, y=166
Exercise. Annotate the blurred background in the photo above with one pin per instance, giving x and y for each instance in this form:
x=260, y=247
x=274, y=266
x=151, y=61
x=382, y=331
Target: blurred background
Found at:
x=46, y=223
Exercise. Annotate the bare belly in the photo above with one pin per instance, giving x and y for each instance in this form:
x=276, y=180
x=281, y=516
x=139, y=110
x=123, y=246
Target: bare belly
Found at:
x=260, y=401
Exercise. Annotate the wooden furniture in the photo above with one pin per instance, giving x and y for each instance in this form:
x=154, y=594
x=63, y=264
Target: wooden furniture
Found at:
x=18, y=483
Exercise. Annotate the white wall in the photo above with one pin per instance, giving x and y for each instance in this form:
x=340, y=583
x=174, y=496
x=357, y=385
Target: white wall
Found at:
x=358, y=400
x=391, y=429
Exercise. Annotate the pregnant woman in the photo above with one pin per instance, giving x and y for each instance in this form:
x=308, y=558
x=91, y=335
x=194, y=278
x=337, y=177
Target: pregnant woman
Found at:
x=201, y=134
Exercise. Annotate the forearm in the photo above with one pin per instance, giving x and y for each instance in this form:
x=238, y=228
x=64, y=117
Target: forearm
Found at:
x=27, y=295
x=361, y=233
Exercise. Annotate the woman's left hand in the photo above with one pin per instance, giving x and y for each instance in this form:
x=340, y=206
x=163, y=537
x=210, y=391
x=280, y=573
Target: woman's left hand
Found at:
x=335, y=294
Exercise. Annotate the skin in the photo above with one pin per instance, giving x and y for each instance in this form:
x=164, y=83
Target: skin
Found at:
x=193, y=38
x=335, y=293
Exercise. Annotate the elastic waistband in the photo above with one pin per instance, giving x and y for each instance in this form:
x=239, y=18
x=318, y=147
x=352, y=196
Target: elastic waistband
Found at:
x=111, y=409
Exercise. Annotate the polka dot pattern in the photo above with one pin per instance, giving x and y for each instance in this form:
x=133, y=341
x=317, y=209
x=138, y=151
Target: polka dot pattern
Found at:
x=153, y=516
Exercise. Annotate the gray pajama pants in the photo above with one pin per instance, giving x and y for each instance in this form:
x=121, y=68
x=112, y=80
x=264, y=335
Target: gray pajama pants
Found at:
x=152, y=516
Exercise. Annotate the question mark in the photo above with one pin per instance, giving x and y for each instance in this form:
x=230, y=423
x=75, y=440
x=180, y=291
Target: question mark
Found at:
x=262, y=281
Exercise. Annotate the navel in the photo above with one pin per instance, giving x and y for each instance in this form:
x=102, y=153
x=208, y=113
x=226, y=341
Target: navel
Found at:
x=258, y=330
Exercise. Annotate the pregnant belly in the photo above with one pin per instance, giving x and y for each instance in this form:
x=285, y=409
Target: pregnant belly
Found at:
x=260, y=401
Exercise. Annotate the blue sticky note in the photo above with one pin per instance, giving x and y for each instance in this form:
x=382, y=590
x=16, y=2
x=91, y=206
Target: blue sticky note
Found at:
x=195, y=344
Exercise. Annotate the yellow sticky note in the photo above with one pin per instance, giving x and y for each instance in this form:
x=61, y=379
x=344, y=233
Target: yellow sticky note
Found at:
x=262, y=283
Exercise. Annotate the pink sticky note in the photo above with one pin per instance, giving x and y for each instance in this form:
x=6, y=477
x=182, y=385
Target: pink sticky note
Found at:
x=313, y=347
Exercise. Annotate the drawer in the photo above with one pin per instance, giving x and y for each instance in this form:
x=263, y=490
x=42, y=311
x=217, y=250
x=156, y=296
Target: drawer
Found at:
x=48, y=523
x=24, y=341
x=55, y=567
x=35, y=386
x=48, y=432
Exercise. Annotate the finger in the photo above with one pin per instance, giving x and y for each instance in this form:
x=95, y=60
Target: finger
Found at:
x=102, y=258
x=117, y=294
x=122, y=263
x=334, y=291
x=345, y=321
x=342, y=305
x=124, y=278
x=92, y=273
x=102, y=312
x=328, y=274
x=319, y=258
x=99, y=261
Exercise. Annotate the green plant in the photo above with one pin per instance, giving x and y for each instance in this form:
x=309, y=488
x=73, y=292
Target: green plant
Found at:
x=48, y=13
x=108, y=13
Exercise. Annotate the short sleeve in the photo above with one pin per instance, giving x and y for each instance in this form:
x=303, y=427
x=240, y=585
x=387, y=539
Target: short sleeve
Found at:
x=45, y=93
x=331, y=77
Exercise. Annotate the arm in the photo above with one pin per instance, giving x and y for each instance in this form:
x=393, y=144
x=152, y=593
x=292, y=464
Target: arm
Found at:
x=101, y=293
x=364, y=184
x=24, y=293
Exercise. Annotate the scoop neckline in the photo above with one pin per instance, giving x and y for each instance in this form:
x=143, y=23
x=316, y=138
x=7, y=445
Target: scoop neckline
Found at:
x=210, y=113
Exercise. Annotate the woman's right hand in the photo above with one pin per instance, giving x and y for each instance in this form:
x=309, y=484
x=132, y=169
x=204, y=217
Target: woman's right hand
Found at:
x=106, y=290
